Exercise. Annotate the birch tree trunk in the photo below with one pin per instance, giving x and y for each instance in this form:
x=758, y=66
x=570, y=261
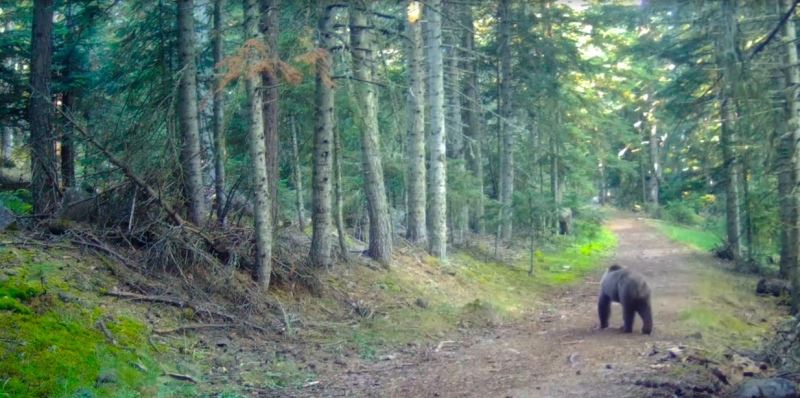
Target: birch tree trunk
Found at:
x=220, y=149
x=44, y=165
x=472, y=109
x=270, y=10
x=323, y=145
x=380, y=229
x=415, y=146
x=726, y=52
x=258, y=151
x=187, y=114
x=792, y=70
x=438, y=150
x=506, y=131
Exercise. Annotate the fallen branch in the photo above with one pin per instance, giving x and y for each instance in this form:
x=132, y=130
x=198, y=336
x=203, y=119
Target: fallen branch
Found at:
x=178, y=376
x=442, y=343
x=102, y=326
x=128, y=171
x=181, y=304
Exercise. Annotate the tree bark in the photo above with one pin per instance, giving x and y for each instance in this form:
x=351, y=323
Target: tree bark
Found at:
x=187, y=113
x=506, y=131
x=337, y=188
x=298, y=178
x=270, y=10
x=437, y=147
x=380, y=229
x=220, y=149
x=258, y=152
x=323, y=144
x=472, y=110
x=68, y=102
x=44, y=165
x=415, y=145
x=655, y=167
x=458, y=209
x=792, y=71
x=7, y=146
x=726, y=51
x=786, y=183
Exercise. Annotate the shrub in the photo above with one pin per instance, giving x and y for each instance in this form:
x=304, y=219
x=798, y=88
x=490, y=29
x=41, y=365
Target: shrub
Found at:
x=681, y=213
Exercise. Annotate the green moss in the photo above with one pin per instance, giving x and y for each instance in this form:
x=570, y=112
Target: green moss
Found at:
x=60, y=353
x=20, y=289
x=54, y=349
x=10, y=304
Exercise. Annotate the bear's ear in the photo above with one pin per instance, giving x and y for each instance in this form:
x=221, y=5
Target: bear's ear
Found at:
x=614, y=267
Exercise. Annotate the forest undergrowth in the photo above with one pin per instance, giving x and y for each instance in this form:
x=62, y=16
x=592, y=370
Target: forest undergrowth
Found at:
x=79, y=321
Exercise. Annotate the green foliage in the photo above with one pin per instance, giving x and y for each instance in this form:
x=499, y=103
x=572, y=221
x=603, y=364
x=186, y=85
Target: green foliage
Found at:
x=19, y=201
x=681, y=213
x=588, y=222
x=704, y=240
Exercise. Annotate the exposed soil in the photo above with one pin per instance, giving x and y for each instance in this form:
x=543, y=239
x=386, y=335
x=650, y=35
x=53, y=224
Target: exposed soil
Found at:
x=556, y=352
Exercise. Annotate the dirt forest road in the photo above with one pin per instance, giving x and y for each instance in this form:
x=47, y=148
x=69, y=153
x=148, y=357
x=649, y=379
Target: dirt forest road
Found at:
x=558, y=352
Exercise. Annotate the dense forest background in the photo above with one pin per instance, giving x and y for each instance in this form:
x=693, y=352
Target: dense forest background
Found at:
x=385, y=120
x=276, y=138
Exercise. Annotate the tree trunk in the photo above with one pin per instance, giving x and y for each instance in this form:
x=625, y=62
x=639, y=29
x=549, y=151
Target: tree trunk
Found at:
x=44, y=165
x=786, y=182
x=337, y=188
x=438, y=150
x=506, y=131
x=555, y=181
x=187, y=113
x=67, y=143
x=655, y=167
x=726, y=51
x=459, y=210
x=415, y=146
x=298, y=179
x=220, y=149
x=258, y=152
x=380, y=229
x=472, y=110
x=270, y=10
x=69, y=100
x=323, y=145
x=748, y=219
x=793, y=132
x=7, y=147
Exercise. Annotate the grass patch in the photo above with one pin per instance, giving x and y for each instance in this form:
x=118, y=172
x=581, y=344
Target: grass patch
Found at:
x=702, y=240
x=284, y=374
x=726, y=313
x=424, y=299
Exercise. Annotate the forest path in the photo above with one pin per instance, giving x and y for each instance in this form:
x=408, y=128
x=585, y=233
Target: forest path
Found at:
x=556, y=352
